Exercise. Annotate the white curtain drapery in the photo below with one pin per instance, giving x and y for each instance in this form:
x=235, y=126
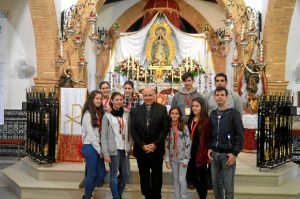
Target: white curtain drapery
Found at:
x=132, y=44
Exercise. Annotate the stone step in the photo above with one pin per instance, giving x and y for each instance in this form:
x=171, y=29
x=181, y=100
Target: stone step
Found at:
x=6, y=193
x=246, y=173
x=28, y=187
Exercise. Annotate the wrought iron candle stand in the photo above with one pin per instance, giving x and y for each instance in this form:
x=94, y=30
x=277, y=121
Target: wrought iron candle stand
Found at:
x=274, y=139
x=42, y=126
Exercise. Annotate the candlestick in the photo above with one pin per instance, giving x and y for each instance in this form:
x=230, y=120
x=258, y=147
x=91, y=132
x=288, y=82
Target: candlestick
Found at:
x=179, y=72
x=127, y=67
x=261, y=53
x=132, y=61
x=61, y=48
x=109, y=77
x=109, y=60
x=243, y=32
x=137, y=72
x=235, y=56
x=250, y=24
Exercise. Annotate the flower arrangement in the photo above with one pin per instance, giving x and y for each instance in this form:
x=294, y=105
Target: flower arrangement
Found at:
x=131, y=69
x=187, y=65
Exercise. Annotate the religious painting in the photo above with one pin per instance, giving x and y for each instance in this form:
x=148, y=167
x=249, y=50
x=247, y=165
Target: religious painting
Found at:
x=160, y=49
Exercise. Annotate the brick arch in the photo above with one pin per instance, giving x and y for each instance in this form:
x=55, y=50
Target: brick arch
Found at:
x=276, y=31
x=44, y=22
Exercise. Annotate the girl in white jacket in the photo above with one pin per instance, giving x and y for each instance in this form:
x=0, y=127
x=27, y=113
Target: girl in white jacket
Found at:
x=116, y=143
x=91, y=150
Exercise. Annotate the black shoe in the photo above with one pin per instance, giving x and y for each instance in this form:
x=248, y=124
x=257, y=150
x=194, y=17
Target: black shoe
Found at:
x=190, y=186
x=81, y=185
x=210, y=187
x=100, y=185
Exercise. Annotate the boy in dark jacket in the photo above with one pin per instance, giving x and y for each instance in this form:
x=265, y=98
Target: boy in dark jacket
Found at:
x=226, y=143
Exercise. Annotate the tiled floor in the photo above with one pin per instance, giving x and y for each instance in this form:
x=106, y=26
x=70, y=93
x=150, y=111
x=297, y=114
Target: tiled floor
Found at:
x=5, y=193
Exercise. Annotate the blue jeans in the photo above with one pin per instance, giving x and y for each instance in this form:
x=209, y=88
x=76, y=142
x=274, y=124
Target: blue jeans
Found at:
x=119, y=164
x=219, y=169
x=95, y=169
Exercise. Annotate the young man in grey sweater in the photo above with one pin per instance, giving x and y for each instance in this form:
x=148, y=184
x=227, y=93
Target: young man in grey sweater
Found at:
x=184, y=97
x=233, y=100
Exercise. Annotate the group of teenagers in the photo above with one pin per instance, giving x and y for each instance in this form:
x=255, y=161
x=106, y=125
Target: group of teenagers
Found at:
x=198, y=131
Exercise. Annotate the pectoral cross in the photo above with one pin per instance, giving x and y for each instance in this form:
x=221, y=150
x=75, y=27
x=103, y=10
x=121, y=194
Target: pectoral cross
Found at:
x=148, y=123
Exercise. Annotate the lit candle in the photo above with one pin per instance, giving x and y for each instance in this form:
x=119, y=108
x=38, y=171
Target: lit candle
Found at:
x=145, y=76
x=172, y=73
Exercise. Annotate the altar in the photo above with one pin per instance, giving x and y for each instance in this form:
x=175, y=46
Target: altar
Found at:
x=158, y=55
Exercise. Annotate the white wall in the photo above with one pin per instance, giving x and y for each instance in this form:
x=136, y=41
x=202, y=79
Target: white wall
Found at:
x=61, y=5
x=293, y=51
x=20, y=44
x=261, y=6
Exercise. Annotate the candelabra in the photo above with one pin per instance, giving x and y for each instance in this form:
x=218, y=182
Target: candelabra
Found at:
x=259, y=64
x=71, y=22
x=247, y=25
